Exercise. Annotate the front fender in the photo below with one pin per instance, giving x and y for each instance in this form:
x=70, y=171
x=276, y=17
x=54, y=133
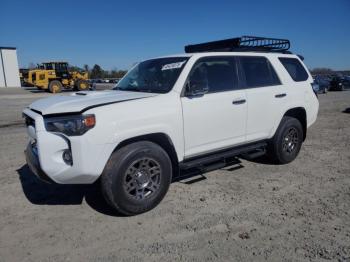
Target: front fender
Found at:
x=122, y=121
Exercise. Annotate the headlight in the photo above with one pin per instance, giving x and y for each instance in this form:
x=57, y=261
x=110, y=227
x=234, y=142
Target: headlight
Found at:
x=74, y=125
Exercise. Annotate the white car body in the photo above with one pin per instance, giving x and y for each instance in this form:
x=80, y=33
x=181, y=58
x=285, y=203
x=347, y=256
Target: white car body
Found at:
x=194, y=126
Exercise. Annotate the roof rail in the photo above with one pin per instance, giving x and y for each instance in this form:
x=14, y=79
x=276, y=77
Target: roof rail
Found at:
x=242, y=44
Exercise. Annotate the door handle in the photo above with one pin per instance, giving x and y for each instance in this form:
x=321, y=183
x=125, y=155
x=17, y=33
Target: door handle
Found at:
x=238, y=101
x=280, y=95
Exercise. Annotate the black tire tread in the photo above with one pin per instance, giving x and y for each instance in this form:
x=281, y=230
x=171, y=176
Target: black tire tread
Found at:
x=274, y=152
x=114, y=163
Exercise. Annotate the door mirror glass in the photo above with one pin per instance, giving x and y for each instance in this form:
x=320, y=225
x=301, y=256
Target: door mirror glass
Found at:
x=196, y=88
x=197, y=84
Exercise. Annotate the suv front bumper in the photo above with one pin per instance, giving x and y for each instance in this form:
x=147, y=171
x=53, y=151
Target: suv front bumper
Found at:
x=44, y=154
x=32, y=159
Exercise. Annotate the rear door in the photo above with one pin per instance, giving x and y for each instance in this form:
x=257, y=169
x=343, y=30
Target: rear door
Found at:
x=265, y=95
x=216, y=119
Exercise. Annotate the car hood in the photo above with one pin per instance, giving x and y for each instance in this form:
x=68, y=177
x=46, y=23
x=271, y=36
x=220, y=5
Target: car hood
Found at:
x=82, y=101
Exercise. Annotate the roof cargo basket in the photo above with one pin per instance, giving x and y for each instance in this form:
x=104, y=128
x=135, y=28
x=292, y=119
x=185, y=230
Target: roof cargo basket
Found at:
x=242, y=44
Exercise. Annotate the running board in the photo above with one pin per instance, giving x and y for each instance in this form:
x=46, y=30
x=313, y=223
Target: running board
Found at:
x=255, y=154
x=208, y=161
x=200, y=170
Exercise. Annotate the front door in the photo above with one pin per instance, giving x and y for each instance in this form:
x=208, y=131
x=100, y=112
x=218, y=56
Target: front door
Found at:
x=217, y=119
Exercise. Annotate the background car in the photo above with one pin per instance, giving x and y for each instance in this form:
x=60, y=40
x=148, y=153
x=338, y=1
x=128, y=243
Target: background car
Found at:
x=339, y=84
x=323, y=84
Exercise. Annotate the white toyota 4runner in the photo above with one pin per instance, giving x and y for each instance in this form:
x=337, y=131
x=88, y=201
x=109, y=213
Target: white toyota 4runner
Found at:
x=170, y=115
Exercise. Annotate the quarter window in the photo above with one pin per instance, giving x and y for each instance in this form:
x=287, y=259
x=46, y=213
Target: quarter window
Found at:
x=217, y=73
x=258, y=72
x=294, y=68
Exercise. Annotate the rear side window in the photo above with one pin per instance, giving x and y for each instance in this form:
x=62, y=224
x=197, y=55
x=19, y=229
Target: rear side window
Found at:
x=217, y=73
x=294, y=68
x=258, y=72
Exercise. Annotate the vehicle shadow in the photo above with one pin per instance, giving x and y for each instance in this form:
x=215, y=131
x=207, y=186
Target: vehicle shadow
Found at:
x=40, y=193
x=347, y=110
x=35, y=90
x=264, y=160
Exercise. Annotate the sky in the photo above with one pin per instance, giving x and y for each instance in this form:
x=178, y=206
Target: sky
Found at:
x=117, y=34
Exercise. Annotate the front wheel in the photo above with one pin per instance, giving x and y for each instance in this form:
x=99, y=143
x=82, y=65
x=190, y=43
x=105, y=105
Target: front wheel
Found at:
x=55, y=86
x=285, y=145
x=136, y=177
x=82, y=85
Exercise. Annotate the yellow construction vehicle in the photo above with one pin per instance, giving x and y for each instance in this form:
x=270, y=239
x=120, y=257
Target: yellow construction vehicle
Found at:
x=55, y=76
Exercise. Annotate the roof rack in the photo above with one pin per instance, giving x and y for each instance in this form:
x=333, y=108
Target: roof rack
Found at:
x=242, y=44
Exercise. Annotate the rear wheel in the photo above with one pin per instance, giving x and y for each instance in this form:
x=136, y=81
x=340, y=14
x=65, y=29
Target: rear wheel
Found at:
x=136, y=177
x=286, y=143
x=55, y=86
x=82, y=85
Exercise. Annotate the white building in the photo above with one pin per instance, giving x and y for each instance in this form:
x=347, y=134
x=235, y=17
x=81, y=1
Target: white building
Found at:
x=9, y=71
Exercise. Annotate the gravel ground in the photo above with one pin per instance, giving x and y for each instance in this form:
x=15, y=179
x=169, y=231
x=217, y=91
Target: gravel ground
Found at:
x=252, y=211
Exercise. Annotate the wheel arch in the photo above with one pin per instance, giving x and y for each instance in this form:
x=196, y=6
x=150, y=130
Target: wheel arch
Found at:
x=300, y=114
x=161, y=139
x=49, y=80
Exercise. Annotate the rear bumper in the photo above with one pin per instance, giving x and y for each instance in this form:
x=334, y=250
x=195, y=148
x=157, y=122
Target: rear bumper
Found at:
x=34, y=164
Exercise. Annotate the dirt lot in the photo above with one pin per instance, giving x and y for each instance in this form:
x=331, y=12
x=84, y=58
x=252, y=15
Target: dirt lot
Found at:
x=254, y=211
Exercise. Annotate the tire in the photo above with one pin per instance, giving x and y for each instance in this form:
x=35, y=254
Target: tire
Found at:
x=126, y=183
x=55, y=86
x=82, y=85
x=283, y=151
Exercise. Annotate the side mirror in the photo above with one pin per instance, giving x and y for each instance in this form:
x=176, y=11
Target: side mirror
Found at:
x=196, y=88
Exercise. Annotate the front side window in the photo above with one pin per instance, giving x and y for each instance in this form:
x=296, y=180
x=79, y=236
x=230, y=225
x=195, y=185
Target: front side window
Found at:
x=258, y=72
x=218, y=74
x=154, y=76
x=294, y=68
x=48, y=66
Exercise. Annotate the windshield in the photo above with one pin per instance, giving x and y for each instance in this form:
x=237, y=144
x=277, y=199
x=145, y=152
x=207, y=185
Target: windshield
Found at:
x=155, y=76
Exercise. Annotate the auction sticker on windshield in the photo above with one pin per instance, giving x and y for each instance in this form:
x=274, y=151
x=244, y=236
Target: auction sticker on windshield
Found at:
x=173, y=65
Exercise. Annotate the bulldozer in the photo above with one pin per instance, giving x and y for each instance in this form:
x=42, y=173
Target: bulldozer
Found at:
x=55, y=76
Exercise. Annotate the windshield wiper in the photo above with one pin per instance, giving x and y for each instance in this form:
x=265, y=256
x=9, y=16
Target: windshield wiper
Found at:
x=128, y=88
x=141, y=89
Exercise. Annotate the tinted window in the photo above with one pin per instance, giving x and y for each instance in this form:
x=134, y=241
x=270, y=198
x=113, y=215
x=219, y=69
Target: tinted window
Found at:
x=218, y=73
x=258, y=72
x=294, y=68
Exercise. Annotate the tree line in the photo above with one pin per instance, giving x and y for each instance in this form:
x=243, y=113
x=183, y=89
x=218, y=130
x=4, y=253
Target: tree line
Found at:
x=97, y=72
x=328, y=71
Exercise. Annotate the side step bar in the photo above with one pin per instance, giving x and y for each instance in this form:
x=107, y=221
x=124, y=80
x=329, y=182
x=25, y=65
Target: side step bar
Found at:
x=189, y=173
x=249, y=151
